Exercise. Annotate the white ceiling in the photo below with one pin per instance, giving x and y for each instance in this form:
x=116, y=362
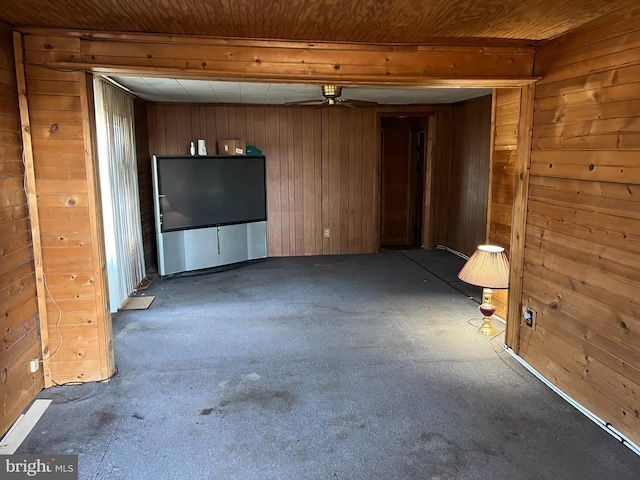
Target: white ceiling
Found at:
x=202, y=91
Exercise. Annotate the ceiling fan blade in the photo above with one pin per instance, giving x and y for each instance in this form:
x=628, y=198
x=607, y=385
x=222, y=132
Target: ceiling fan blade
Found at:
x=306, y=102
x=359, y=103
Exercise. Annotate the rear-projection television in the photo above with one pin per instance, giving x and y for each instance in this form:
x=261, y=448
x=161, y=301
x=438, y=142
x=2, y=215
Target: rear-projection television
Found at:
x=201, y=192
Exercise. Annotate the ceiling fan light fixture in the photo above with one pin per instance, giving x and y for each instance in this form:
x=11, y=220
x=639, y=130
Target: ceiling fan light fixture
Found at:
x=331, y=91
x=331, y=94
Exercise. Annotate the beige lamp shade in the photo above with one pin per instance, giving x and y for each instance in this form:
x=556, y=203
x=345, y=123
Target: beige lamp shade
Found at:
x=488, y=267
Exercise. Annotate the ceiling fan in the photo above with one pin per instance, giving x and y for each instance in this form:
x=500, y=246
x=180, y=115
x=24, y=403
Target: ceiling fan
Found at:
x=331, y=94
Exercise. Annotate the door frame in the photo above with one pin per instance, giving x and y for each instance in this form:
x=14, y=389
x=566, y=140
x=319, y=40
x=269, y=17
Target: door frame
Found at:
x=428, y=172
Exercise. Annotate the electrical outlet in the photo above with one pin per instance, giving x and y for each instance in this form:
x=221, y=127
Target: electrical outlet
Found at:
x=34, y=364
x=327, y=232
x=529, y=317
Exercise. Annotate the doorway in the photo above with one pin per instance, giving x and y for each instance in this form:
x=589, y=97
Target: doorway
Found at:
x=403, y=164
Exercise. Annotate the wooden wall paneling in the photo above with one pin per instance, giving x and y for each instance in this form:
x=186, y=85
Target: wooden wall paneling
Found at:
x=331, y=178
x=288, y=160
x=210, y=130
x=356, y=161
x=285, y=180
x=222, y=122
x=196, y=130
x=231, y=122
x=346, y=153
x=312, y=185
x=469, y=175
x=36, y=254
x=295, y=179
x=322, y=169
x=502, y=181
x=250, y=123
x=18, y=305
x=204, y=122
x=565, y=360
x=297, y=159
x=442, y=168
x=370, y=217
x=320, y=175
x=171, y=130
x=59, y=142
x=105, y=352
x=581, y=247
x=519, y=222
x=492, y=165
x=340, y=185
x=184, y=130
x=274, y=206
x=20, y=388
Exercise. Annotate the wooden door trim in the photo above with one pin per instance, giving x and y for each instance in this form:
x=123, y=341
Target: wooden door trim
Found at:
x=519, y=221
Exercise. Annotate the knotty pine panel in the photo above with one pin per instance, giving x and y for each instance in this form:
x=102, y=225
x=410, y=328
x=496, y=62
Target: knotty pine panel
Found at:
x=502, y=178
x=18, y=309
x=60, y=113
x=581, y=260
x=18, y=312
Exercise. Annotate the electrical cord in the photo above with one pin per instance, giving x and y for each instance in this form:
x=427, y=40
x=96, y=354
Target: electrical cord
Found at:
x=106, y=380
x=44, y=275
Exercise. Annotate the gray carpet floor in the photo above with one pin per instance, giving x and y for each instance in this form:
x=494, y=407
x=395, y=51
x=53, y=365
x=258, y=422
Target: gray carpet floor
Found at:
x=346, y=367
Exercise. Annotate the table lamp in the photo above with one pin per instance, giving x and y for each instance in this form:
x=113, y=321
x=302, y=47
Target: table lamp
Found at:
x=488, y=268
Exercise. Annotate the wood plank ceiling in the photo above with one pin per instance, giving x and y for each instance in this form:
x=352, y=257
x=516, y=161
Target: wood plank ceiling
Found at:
x=489, y=22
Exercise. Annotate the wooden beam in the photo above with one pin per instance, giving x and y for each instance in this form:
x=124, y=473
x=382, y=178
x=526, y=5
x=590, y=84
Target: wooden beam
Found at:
x=32, y=201
x=519, y=223
x=281, y=61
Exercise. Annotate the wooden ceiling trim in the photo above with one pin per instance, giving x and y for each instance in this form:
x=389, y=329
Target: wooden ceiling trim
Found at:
x=289, y=61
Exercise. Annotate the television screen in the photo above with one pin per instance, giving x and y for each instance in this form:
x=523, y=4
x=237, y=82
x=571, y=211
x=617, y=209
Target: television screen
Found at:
x=197, y=192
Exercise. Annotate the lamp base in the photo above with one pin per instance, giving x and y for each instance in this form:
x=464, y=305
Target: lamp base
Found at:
x=487, y=310
x=487, y=328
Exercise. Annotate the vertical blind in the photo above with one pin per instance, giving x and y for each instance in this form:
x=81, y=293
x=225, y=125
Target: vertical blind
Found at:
x=117, y=167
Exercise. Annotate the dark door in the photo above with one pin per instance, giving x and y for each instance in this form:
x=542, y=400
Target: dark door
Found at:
x=403, y=147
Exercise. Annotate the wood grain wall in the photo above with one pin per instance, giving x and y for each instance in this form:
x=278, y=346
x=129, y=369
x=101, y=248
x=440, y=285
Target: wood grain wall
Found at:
x=506, y=116
x=469, y=175
x=18, y=305
x=60, y=111
x=322, y=166
x=582, y=260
